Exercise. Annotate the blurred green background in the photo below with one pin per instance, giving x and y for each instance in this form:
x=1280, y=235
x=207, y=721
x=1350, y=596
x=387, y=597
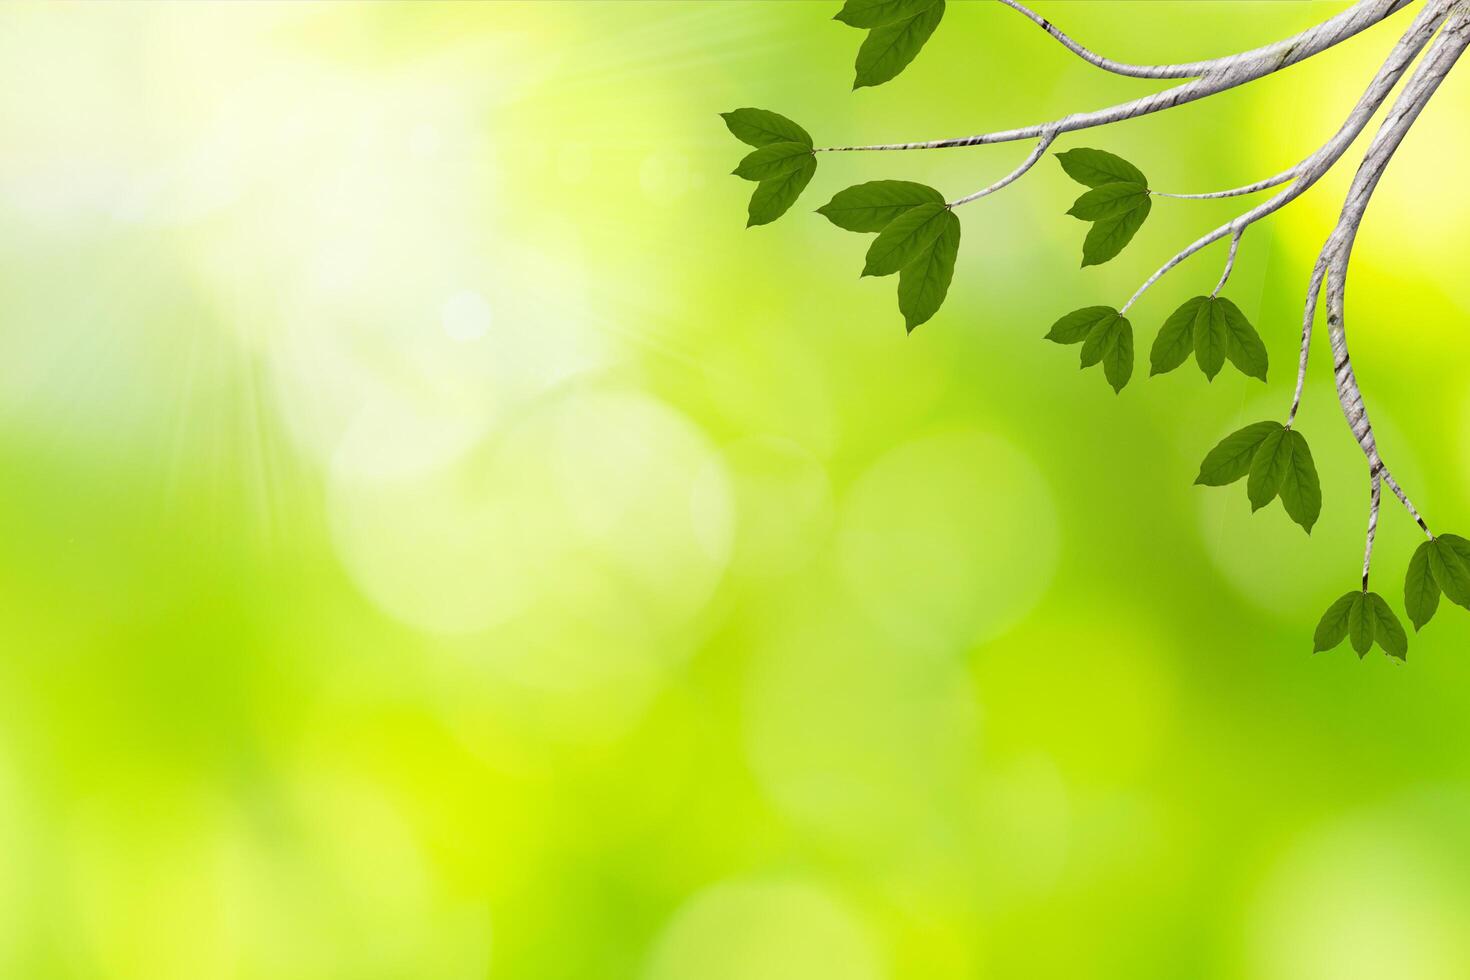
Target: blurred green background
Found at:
x=439, y=541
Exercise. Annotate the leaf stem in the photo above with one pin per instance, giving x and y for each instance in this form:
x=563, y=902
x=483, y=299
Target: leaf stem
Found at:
x=1027, y=164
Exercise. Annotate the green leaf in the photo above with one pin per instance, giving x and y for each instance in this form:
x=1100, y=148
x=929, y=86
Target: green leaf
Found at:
x=1421, y=591
x=1388, y=632
x=1332, y=629
x=774, y=197
x=1242, y=344
x=876, y=13
x=1361, y=623
x=1268, y=469
x=1075, y=326
x=1301, y=492
x=1451, y=569
x=889, y=49
x=775, y=160
x=1111, y=341
x=1109, y=201
x=761, y=127
x=924, y=282
x=1109, y=236
x=1210, y=338
x=1175, y=340
x=1097, y=167
x=870, y=207
x=1231, y=458
x=905, y=239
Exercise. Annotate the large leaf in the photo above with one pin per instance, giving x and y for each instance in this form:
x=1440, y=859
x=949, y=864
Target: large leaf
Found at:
x=1097, y=167
x=1231, y=458
x=1448, y=562
x=1210, y=337
x=889, y=49
x=876, y=13
x=1075, y=326
x=1421, y=591
x=1110, y=341
x=1301, y=492
x=1268, y=469
x=1332, y=629
x=1175, y=340
x=1362, y=621
x=1109, y=236
x=775, y=160
x=1109, y=201
x=905, y=239
x=761, y=127
x=1242, y=344
x=774, y=197
x=870, y=207
x=1388, y=632
x=924, y=282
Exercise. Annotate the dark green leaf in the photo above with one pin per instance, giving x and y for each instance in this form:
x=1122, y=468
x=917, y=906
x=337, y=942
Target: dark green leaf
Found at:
x=761, y=127
x=1109, y=236
x=1361, y=623
x=1242, y=344
x=1332, y=629
x=1109, y=201
x=905, y=239
x=1075, y=326
x=775, y=160
x=1451, y=568
x=1268, y=468
x=1301, y=493
x=1175, y=340
x=1231, y=459
x=774, y=197
x=1387, y=630
x=924, y=282
x=1111, y=341
x=870, y=207
x=1210, y=338
x=1097, y=167
x=1421, y=591
x=876, y=13
x=889, y=49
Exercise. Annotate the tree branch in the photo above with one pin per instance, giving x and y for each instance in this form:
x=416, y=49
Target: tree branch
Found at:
x=1375, y=497
x=1027, y=164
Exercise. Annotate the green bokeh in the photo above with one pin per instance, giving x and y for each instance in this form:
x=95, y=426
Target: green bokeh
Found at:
x=439, y=541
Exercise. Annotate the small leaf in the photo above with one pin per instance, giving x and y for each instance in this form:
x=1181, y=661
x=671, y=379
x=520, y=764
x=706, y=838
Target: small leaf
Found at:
x=1388, y=632
x=1301, y=492
x=1111, y=342
x=775, y=160
x=876, y=13
x=1332, y=629
x=924, y=282
x=870, y=207
x=1110, y=236
x=1421, y=591
x=1231, y=458
x=1175, y=340
x=774, y=197
x=761, y=127
x=1210, y=338
x=905, y=239
x=1097, y=167
x=1075, y=326
x=1268, y=469
x=1242, y=344
x=1109, y=201
x=889, y=49
x=1099, y=339
x=1361, y=624
x=1450, y=567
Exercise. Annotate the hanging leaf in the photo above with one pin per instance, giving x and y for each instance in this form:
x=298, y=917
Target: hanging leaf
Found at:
x=1421, y=591
x=1242, y=344
x=870, y=207
x=1109, y=201
x=924, y=282
x=905, y=239
x=876, y=13
x=761, y=127
x=1362, y=618
x=1301, y=492
x=1110, y=341
x=1075, y=326
x=1175, y=340
x=1110, y=236
x=1388, y=632
x=1231, y=458
x=1450, y=562
x=774, y=160
x=1210, y=336
x=1097, y=167
x=774, y=197
x=1333, y=627
x=889, y=49
x=1268, y=469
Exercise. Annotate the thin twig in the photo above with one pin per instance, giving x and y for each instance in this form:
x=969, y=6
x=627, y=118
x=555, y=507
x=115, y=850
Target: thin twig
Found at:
x=1027, y=164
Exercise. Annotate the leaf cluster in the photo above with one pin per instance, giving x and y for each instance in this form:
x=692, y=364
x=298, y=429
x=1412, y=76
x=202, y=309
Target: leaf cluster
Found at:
x=1441, y=564
x=1117, y=203
x=897, y=32
x=1213, y=329
x=1278, y=463
x=782, y=163
x=1106, y=337
x=1363, y=618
